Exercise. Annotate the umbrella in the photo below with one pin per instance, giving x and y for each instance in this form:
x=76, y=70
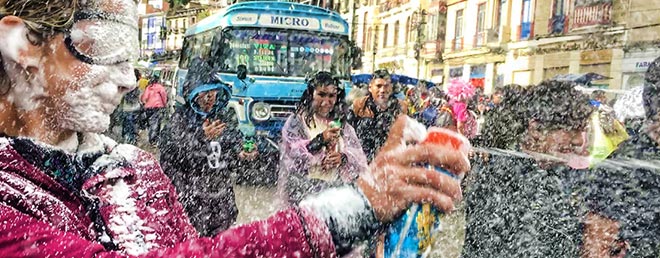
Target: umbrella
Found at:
x=582, y=78
x=396, y=78
x=405, y=80
x=361, y=78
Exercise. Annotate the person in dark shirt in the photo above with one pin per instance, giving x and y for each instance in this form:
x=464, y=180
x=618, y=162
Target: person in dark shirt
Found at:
x=373, y=115
x=519, y=202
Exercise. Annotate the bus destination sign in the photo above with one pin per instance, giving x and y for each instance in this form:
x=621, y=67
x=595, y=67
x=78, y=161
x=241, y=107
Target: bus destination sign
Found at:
x=292, y=22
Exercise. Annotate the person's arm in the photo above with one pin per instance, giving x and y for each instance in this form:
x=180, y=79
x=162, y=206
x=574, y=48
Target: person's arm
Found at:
x=296, y=232
x=163, y=96
x=299, y=154
x=353, y=158
x=145, y=95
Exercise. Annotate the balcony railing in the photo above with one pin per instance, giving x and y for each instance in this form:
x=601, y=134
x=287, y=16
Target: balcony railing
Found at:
x=457, y=44
x=600, y=14
x=480, y=39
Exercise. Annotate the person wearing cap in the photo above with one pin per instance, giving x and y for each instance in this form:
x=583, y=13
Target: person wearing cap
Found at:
x=68, y=191
x=372, y=115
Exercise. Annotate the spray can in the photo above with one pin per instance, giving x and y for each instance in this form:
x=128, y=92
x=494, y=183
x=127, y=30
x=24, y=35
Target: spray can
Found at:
x=249, y=143
x=335, y=124
x=413, y=235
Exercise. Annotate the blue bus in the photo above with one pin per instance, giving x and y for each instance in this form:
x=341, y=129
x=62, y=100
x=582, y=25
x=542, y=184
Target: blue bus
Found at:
x=265, y=50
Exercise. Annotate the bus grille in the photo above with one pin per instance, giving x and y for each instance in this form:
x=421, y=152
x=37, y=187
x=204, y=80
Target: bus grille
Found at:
x=281, y=112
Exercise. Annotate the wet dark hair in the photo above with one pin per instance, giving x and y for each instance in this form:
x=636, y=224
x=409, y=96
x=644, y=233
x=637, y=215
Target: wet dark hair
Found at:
x=138, y=75
x=598, y=94
x=553, y=105
x=651, y=95
x=304, y=107
x=556, y=105
x=505, y=124
x=381, y=74
x=154, y=79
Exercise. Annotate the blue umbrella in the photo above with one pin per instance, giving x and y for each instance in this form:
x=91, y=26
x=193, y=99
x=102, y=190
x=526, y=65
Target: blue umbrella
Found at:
x=402, y=79
x=361, y=78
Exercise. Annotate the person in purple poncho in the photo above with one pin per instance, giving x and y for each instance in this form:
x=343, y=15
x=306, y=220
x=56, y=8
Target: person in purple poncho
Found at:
x=319, y=149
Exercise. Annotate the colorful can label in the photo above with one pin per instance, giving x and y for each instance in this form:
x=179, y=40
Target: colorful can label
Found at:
x=414, y=234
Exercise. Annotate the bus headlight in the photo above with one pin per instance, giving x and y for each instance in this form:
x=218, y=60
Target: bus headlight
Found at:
x=261, y=111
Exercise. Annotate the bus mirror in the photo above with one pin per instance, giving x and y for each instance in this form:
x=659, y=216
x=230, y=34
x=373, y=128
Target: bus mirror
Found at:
x=241, y=72
x=356, y=56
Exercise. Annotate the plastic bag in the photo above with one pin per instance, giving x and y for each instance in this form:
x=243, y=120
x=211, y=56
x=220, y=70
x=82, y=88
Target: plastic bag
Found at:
x=602, y=144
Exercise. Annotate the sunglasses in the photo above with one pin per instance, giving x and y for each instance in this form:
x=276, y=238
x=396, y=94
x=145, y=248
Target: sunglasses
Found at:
x=97, y=38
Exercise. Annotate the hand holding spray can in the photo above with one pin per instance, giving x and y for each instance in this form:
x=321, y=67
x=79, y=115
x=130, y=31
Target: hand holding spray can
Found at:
x=415, y=232
x=335, y=124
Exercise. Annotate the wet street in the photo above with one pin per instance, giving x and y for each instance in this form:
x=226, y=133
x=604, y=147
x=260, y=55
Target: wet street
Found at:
x=255, y=202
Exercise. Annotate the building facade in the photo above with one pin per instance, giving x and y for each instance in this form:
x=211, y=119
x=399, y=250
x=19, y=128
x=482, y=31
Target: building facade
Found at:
x=151, y=23
x=614, y=38
x=162, y=27
x=477, y=32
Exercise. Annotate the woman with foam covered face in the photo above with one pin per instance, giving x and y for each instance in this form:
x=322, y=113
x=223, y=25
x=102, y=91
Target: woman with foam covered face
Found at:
x=66, y=191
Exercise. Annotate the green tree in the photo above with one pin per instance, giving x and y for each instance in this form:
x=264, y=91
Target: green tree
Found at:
x=176, y=3
x=203, y=14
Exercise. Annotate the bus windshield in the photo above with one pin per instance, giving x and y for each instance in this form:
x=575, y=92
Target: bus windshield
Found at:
x=284, y=52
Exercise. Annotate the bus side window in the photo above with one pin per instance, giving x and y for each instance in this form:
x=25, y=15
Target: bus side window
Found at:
x=187, y=52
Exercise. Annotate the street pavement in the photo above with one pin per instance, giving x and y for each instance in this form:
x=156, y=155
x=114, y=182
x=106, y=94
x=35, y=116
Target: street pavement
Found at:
x=255, y=202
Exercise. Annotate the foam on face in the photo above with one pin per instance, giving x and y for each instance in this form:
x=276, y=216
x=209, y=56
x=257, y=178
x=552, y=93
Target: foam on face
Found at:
x=88, y=104
x=94, y=92
x=23, y=94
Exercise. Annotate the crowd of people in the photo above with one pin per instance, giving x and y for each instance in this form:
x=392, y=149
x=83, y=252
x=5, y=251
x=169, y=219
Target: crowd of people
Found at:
x=553, y=173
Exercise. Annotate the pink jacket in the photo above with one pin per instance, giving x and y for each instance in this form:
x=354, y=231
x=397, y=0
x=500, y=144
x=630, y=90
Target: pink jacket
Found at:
x=126, y=207
x=154, y=96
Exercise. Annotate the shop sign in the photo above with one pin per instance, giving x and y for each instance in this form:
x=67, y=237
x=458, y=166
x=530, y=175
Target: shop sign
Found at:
x=596, y=57
x=643, y=65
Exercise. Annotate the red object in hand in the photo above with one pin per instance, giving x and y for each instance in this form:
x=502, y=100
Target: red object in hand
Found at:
x=449, y=138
